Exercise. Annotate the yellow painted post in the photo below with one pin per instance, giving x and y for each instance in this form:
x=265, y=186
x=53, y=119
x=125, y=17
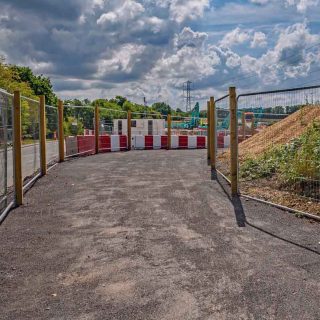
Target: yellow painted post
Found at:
x=234, y=140
x=96, y=128
x=43, y=156
x=208, y=129
x=129, y=130
x=213, y=133
x=61, y=133
x=252, y=125
x=244, y=126
x=169, y=131
x=17, y=135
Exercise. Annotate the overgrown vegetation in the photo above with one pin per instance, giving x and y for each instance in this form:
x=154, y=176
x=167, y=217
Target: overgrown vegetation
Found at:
x=296, y=164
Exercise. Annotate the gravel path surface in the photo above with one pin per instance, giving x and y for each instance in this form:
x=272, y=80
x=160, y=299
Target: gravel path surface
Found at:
x=148, y=235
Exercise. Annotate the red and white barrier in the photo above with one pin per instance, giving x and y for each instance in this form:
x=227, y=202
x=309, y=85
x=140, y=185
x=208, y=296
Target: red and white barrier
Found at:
x=86, y=144
x=223, y=139
x=161, y=142
x=149, y=142
x=188, y=142
x=113, y=143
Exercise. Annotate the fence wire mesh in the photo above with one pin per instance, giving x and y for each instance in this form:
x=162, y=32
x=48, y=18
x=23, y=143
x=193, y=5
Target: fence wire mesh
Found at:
x=6, y=157
x=279, y=149
x=223, y=136
x=30, y=121
x=52, y=146
x=148, y=131
x=189, y=132
x=78, y=126
x=113, y=130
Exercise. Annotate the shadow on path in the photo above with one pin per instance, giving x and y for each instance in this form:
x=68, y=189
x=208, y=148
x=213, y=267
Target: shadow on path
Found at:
x=240, y=215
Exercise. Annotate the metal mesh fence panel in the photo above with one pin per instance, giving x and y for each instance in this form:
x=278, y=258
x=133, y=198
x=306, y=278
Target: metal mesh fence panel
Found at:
x=148, y=131
x=279, y=149
x=78, y=128
x=30, y=115
x=223, y=136
x=6, y=157
x=188, y=132
x=113, y=130
x=52, y=145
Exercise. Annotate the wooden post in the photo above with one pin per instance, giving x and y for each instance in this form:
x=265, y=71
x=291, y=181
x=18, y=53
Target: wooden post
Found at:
x=169, y=131
x=96, y=128
x=234, y=140
x=213, y=133
x=129, y=130
x=208, y=130
x=61, y=133
x=244, y=126
x=43, y=155
x=252, y=125
x=17, y=135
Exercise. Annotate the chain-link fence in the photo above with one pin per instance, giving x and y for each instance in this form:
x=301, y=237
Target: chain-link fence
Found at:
x=6, y=156
x=279, y=157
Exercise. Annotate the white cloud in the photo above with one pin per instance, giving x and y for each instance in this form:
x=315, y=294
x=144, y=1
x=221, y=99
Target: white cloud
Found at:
x=235, y=37
x=155, y=24
x=289, y=58
x=181, y=10
x=189, y=38
x=302, y=5
x=259, y=40
x=130, y=10
x=122, y=60
x=190, y=59
x=187, y=9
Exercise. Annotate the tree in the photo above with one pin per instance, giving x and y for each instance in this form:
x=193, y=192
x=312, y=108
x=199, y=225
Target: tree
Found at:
x=120, y=100
x=39, y=84
x=162, y=107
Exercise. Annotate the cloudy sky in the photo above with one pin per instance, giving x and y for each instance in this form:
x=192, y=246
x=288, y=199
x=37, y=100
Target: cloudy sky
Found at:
x=137, y=48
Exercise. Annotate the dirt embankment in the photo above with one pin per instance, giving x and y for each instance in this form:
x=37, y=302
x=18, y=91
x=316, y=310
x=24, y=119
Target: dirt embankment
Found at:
x=279, y=133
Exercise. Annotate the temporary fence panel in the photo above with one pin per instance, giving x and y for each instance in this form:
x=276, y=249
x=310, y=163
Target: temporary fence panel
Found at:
x=223, y=136
x=279, y=157
x=148, y=131
x=52, y=145
x=188, y=132
x=6, y=156
x=78, y=125
x=30, y=116
x=113, y=130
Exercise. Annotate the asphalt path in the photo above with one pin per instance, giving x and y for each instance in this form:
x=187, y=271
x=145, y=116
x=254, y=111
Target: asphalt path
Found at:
x=151, y=235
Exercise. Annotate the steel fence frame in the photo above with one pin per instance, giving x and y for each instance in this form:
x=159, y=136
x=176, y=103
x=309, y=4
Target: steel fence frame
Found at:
x=289, y=99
